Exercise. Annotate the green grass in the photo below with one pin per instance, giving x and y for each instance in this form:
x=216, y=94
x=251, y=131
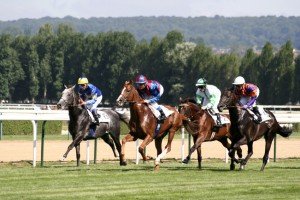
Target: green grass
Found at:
x=107, y=180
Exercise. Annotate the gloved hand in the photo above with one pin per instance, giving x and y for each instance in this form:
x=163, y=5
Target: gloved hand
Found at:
x=145, y=101
x=90, y=102
x=245, y=106
x=203, y=107
x=209, y=106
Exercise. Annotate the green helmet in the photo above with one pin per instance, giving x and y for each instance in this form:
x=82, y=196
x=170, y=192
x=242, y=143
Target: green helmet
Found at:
x=201, y=82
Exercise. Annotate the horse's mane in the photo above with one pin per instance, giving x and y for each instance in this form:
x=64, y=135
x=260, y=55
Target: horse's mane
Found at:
x=188, y=99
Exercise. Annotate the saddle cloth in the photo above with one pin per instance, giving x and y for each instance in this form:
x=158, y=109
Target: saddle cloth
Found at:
x=157, y=113
x=224, y=120
x=102, y=116
x=264, y=116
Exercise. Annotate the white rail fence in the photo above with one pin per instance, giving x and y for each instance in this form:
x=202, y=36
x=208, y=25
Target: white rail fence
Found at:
x=34, y=113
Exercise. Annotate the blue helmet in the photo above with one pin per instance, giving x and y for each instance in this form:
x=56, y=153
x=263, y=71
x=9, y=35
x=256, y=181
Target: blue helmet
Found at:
x=141, y=79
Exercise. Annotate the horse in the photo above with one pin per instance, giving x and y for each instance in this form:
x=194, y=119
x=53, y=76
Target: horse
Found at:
x=144, y=125
x=200, y=124
x=246, y=131
x=80, y=122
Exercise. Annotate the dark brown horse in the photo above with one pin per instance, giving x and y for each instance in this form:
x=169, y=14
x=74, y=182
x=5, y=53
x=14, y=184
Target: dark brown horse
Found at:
x=80, y=122
x=143, y=124
x=200, y=124
x=246, y=131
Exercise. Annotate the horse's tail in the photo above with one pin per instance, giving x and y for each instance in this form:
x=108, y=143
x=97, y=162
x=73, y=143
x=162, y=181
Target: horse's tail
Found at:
x=285, y=131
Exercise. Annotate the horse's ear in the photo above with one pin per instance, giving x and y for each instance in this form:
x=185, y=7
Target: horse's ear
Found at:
x=65, y=86
x=180, y=100
x=129, y=82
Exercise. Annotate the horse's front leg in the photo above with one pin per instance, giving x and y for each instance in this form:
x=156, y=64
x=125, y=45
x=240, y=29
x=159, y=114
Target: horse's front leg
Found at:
x=127, y=138
x=250, y=152
x=142, y=147
x=77, y=147
x=199, y=157
x=74, y=143
x=196, y=145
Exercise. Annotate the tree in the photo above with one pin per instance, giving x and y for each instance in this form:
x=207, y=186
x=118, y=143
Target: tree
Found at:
x=10, y=68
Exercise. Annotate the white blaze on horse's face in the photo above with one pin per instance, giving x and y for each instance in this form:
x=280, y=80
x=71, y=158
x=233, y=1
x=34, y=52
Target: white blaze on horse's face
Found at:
x=120, y=99
x=66, y=99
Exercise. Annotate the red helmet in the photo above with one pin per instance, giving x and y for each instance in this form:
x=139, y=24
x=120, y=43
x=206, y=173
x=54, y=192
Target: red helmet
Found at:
x=141, y=79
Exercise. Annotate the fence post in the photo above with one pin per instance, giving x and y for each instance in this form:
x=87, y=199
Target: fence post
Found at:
x=1, y=130
x=42, y=143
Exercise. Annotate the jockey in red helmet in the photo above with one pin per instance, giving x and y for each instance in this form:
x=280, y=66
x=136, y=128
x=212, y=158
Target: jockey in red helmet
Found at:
x=150, y=91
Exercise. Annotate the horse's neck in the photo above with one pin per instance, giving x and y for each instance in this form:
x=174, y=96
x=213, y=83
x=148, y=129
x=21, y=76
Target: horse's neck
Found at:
x=76, y=111
x=137, y=111
x=234, y=114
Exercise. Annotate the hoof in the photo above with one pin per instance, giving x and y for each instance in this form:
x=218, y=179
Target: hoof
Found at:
x=232, y=167
x=62, y=159
x=156, y=168
x=185, y=161
x=123, y=163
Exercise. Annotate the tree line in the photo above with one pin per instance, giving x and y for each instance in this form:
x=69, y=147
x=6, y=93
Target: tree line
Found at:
x=37, y=67
x=218, y=31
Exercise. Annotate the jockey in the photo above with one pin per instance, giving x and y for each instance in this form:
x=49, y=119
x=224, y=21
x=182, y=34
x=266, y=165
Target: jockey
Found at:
x=90, y=96
x=208, y=96
x=150, y=91
x=247, y=94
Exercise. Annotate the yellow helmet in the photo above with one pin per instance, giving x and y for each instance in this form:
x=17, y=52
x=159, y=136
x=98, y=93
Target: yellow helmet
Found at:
x=83, y=81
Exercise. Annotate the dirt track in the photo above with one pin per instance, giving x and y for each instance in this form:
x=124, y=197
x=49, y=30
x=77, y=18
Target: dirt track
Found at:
x=23, y=150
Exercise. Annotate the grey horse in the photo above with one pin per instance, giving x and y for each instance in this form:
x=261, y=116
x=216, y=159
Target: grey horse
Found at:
x=80, y=122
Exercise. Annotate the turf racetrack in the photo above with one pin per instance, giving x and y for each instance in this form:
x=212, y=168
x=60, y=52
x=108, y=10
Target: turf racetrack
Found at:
x=107, y=180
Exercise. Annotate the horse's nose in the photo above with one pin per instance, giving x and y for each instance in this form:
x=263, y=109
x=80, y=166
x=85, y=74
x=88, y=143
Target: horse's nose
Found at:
x=220, y=108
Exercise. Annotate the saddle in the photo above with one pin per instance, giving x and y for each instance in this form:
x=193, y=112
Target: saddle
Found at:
x=102, y=116
x=224, y=120
x=264, y=115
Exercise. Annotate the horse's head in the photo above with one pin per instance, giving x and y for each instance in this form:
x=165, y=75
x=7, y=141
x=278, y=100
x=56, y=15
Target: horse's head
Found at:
x=68, y=98
x=228, y=99
x=188, y=108
x=128, y=94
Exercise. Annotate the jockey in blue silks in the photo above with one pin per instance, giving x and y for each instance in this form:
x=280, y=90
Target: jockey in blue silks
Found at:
x=91, y=96
x=150, y=91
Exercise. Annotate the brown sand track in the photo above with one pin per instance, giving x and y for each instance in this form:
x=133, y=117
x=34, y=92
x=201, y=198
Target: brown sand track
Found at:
x=23, y=150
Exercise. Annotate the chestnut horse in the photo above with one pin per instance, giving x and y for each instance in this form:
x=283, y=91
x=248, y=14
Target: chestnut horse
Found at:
x=200, y=124
x=143, y=124
x=246, y=131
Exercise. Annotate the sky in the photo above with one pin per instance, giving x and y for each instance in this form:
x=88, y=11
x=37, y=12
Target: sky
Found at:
x=16, y=9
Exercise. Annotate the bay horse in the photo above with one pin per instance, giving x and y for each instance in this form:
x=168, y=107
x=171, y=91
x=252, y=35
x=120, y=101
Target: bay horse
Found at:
x=200, y=124
x=143, y=124
x=246, y=131
x=80, y=122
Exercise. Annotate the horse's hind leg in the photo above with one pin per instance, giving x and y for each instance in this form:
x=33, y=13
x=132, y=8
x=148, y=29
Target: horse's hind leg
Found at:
x=110, y=142
x=269, y=140
x=116, y=139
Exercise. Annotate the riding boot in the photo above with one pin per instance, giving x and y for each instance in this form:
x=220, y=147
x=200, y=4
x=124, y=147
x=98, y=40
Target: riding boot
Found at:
x=95, y=117
x=219, y=123
x=162, y=116
x=256, y=112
